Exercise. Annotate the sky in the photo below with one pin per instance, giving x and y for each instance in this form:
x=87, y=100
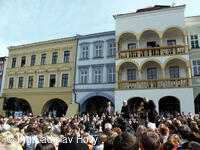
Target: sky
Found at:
x=28, y=21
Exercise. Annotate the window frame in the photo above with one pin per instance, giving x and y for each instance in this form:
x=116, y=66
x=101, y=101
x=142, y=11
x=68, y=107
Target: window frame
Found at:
x=66, y=58
x=43, y=59
x=174, y=75
x=197, y=66
x=54, y=58
x=65, y=84
x=51, y=85
x=32, y=81
x=194, y=40
x=152, y=76
x=13, y=65
x=134, y=74
x=20, y=82
x=39, y=81
x=33, y=60
x=9, y=84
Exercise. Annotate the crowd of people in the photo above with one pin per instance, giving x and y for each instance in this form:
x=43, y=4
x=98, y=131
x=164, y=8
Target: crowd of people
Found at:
x=141, y=130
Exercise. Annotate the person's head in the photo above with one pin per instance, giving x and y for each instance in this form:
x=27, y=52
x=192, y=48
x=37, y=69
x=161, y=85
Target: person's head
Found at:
x=164, y=131
x=170, y=144
x=139, y=131
x=145, y=99
x=102, y=138
x=45, y=146
x=124, y=102
x=141, y=103
x=108, y=104
x=175, y=138
x=125, y=141
x=150, y=141
x=184, y=131
x=108, y=126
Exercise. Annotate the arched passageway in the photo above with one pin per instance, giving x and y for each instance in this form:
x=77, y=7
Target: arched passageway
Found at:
x=169, y=104
x=16, y=107
x=55, y=107
x=95, y=105
x=134, y=103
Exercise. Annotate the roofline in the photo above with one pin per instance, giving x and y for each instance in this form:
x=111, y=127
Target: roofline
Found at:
x=42, y=43
x=96, y=35
x=145, y=12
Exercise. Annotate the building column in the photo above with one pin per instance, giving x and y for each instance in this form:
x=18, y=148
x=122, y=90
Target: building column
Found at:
x=188, y=76
x=117, y=50
x=117, y=80
x=140, y=77
x=163, y=76
x=58, y=78
x=185, y=44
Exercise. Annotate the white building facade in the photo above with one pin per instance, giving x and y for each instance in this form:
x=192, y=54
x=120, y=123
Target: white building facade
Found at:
x=152, y=59
x=95, y=71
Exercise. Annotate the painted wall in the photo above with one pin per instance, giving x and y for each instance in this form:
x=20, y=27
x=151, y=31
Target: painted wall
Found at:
x=186, y=100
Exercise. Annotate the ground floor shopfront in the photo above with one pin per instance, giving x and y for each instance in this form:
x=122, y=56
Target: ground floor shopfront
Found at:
x=38, y=102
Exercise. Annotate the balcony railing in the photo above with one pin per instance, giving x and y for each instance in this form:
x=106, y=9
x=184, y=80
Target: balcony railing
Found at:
x=154, y=51
x=154, y=83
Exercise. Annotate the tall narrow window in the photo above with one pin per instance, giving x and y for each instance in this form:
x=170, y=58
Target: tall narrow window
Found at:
x=174, y=72
x=30, y=82
x=66, y=56
x=54, y=57
x=43, y=59
x=111, y=74
x=11, y=83
x=52, y=81
x=111, y=48
x=20, y=83
x=131, y=74
x=33, y=57
x=151, y=73
x=41, y=81
x=85, y=52
x=196, y=67
x=13, y=62
x=23, y=61
x=97, y=76
x=194, y=41
x=64, y=80
x=98, y=50
x=83, y=76
x=132, y=46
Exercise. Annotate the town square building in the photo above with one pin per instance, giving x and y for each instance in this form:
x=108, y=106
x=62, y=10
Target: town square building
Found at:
x=95, y=71
x=39, y=78
x=193, y=31
x=152, y=59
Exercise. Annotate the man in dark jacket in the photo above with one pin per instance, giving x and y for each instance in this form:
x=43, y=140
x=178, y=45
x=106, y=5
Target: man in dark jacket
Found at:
x=125, y=110
x=71, y=142
x=150, y=107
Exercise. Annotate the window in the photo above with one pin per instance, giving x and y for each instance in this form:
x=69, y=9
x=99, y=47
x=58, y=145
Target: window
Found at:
x=152, y=44
x=11, y=83
x=54, y=57
x=41, y=81
x=20, y=83
x=98, y=50
x=131, y=74
x=84, y=76
x=174, y=72
x=132, y=46
x=23, y=61
x=97, y=76
x=151, y=73
x=196, y=67
x=64, y=80
x=111, y=48
x=66, y=56
x=171, y=42
x=13, y=62
x=33, y=57
x=30, y=82
x=85, y=52
x=43, y=59
x=194, y=41
x=111, y=75
x=52, y=82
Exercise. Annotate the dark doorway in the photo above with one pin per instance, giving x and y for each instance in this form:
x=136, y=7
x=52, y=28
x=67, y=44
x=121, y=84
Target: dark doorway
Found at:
x=55, y=108
x=96, y=105
x=134, y=103
x=12, y=105
x=169, y=104
x=197, y=104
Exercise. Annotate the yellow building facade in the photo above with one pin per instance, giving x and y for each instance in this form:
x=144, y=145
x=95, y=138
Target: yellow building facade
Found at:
x=40, y=77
